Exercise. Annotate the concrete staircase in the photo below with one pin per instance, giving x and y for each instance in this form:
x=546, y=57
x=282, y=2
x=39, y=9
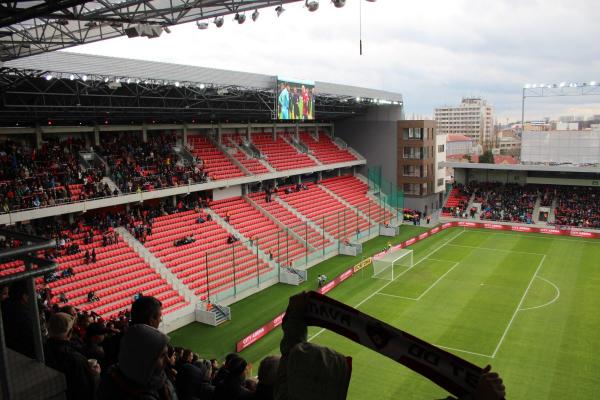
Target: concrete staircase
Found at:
x=551, y=216
x=536, y=211
x=244, y=240
x=112, y=185
x=231, y=158
x=301, y=148
x=157, y=265
x=249, y=153
x=279, y=224
x=301, y=216
x=344, y=202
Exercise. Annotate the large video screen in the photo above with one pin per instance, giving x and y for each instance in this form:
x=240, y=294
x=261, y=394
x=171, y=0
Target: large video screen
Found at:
x=295, y=99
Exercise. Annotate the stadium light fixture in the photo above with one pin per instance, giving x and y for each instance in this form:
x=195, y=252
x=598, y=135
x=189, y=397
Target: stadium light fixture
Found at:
x=562, y=84
x=71, y=77
x=240, y=18
x=176, y=84
x=219, y=21
x=106, y=80
x=203, y=25
x=312, y=5
x=255, y=15
x=339, y=3
x=572, y=84
x=201, y=86
x=118, y=80
x=49, y=77
x=128, y=80
x=593, y=83
x=527, y=86
x=84, y=78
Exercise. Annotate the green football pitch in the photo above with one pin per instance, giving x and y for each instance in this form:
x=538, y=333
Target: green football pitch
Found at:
x=528, y=304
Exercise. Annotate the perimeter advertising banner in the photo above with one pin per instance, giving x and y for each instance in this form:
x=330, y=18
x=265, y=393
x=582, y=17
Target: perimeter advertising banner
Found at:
x=295, y=99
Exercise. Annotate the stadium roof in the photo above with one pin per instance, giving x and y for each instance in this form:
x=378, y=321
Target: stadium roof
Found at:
x=523, y=167
x=72, y=88
x=76, y=63
x=35, y=26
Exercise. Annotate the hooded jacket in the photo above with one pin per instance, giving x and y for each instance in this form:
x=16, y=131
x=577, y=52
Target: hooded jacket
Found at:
x=137, y=375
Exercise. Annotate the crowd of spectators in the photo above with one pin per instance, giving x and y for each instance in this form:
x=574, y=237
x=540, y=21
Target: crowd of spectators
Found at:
x=137, y=166
x=578, y=207
x=129, y=358
x=507, y=202
x=31, y=177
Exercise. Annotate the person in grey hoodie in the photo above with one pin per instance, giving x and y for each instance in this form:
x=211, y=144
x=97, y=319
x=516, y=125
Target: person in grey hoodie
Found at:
x=139, y=375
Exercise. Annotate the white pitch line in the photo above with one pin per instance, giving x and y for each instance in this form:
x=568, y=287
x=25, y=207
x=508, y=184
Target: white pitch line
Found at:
x=493, y=249
x=436, y=282
x=463, y=351
x=548, y=303
x=398, y=297
x=518, y=307
x=390, y=282
x=544, y=236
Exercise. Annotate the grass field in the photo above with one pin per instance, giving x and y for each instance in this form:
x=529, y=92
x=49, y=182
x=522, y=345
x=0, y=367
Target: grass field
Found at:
x=527, y=304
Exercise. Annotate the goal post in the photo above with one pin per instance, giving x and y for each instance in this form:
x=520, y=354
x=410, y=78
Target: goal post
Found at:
x=392, y=263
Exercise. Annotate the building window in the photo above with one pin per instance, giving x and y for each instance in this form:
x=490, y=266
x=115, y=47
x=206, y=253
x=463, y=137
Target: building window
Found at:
x=440, y=166
x=412, y=189
x=440, y=182
x=412, y=133
x=440, y=148
x=414, y=153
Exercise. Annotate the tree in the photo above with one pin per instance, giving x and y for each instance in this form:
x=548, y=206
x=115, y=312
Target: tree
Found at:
x=487, y=157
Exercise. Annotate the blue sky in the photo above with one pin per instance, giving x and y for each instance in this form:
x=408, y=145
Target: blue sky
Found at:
x=433, y=52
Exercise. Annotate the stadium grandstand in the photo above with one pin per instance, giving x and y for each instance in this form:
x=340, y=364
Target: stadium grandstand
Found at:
x=142, y=198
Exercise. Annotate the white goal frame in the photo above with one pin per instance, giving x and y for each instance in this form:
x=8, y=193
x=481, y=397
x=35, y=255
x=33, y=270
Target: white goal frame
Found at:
x=385, y=266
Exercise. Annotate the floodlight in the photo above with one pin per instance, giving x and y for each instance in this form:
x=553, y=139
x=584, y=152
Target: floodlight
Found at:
x=563, y=84
x=534, y=85
x=203, y=25
x=572, y=84
x=255, y=15
x=279, y=9
x=84, y=78
x=593, y=83
x=358, y=99
x=49, y=77
x=118, y=80
x=71, y=77
x=527, y=86
x=219, y=21
x=240, y=18
x=339, y=3
x=176, y=84
x=201, y=86
x=106, y=80
x=312, y=5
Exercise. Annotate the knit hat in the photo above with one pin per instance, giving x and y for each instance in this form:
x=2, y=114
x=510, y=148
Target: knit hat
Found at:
x=59, y=324
x=317, y=373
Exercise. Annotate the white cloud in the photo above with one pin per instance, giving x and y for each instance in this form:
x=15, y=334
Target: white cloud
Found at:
x=431, y=51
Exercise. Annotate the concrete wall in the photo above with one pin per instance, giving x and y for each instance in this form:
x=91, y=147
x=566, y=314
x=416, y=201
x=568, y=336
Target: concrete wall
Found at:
x=487, y=175
x=227, y=192
x=376, y=141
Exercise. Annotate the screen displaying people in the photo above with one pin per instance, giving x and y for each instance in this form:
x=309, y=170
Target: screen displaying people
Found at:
x=295, y=100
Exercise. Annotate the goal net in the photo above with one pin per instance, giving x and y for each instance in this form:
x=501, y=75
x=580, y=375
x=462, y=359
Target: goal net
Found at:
x=391, y=264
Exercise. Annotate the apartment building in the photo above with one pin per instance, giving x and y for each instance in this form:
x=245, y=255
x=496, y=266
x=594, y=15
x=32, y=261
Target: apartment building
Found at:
x=473, y=118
